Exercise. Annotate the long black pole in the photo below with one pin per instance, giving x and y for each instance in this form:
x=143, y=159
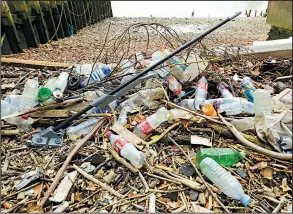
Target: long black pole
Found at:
x=122, y=86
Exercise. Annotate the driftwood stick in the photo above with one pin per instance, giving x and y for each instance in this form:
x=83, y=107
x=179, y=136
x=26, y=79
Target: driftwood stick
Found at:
x=282, y=202
x=121, y=160
x=199, y=174
x=146, y=186
x=252, y=145
x=101, y=184
x=68, y=160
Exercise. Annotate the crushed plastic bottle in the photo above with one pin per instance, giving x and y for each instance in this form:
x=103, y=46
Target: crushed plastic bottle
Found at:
x=201, y=91
x=126, y=150
x=109, y=107
x=29, y=96
x=188, y=103
x=223, y=179
x=100, y=71
x=7, y=109
x=237, y=107
x=85, y=127
x=224, y=91
x=84, y=69
x=178, y=113
x=175, y=86
x=151, y=122
x=128, y=70
x=262, y=101
x=23, y=122
x=223, y=156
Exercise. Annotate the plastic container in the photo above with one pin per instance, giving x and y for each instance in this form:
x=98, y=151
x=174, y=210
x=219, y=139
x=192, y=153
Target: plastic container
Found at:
x=224, y=91
x=29, y=96
x=223, y=156
x=122, y=119
x=151, y=122
x=51, y=84
x=237, y=107
x=175, y=86
x=201, y=91
x=100, y=71
x=177, y=113
x=126, y=150
x=188, y=103
x=247, y=88
x=262, y=101
x=109, y=107
x=7, y=109
x=75, y=132
x=228, y=184
x=23, y=122
x=44, y=94
x=61, y=82
x=84, y=69
x=128, y=68
x=208, y=110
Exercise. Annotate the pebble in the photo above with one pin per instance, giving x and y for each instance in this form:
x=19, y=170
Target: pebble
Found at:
x=187, y=169
x=193, y=195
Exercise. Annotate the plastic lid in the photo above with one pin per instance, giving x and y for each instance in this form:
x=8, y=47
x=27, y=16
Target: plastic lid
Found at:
x=177, y=91
x=208, y=109
x=203, y=74
x=197, y=102
x=82, y=84
x=242, y=155
x=44, y=94
x=57, y=94
x=25, y=116
x=245, y=199
x=108, y=134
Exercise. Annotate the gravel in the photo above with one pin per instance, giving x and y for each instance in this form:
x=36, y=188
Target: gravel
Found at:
x=84, y=46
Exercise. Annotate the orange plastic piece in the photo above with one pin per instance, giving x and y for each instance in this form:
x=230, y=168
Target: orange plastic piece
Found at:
x=208, y=110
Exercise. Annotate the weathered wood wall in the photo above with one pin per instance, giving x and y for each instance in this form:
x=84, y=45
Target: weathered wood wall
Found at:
x=30, y=23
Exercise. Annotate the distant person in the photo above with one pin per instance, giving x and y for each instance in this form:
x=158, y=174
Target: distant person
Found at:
x=192, y=14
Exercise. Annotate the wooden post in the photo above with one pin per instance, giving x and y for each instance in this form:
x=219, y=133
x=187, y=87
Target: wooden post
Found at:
x=77, y=17
x=9, y=28
x=79, y=12
x=21, y=11
x=68, y=14
x=110, y=8
x=71, y=12
x=62, y=12
x=39, y=21
x=83, y=6
x=48, y=17
x=57, y=19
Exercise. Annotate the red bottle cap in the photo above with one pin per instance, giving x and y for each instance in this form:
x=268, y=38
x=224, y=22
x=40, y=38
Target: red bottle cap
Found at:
x=203, y=74
x=108, y=134
x=177, y=91
x=25, y=116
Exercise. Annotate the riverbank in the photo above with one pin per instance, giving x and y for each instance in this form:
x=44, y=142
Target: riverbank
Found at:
x=86, y=44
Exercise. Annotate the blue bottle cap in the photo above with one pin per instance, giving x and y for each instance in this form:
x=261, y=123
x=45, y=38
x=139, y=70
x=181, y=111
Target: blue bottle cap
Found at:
x=245, y=200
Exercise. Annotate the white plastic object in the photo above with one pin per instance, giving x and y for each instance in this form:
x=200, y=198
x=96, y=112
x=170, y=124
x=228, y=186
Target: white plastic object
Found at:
x=84, y=69
x=126, y=150
x=224, y=91
x=29, y=96
x=262, y=101
x=100, y=71
x=201, y=91
x=223, y=179
x=23, y=123
x=128, y=68
x=178, y=113
x=237, y=107
x=7, y=109
x=174, y=85
x=122, y=117
x=244, y=124
x=51, y=83
x=151, y=122
x=92, y=95
x=61, y=81
x=188, y=103
x=287, y=98
x=75, y=132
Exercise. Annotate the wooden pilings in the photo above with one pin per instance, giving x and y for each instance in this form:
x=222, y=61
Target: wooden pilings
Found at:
x=30, y=23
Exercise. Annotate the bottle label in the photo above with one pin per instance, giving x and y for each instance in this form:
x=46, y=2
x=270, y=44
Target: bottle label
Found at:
x=145, y=127
x=119, y=144
x=201, y=85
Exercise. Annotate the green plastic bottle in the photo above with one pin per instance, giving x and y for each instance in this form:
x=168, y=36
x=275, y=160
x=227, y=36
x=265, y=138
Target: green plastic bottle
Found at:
x=44, y=94
x=223, y=156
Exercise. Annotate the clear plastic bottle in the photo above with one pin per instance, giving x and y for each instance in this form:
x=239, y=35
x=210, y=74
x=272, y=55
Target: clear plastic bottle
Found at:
x=126, y=150
x=128, y=68
x=7, y=109
x=175, y=86
x=223, y=179
x=61, y=81
x=223, y=156
x=109, y=107
x=237, y=107
x=100, y=71
x=29, y=96
x=262, y=101
x=122, y=119
x=51, y=84
x=151, y=122
x=75, y=132
x=201, y=91
x=84, y=69
x=177, y=113
x=188, y=103
x=224, y=91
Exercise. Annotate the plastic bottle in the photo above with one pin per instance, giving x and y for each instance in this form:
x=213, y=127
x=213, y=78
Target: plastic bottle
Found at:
x=224, y=91
x=84, y=69
x=128, y=68
x=237, y=107
x=7, y=109
x=44, y=94
x=175, y=86
x=100, y=71
x=247, y=88
x=29, y=96
x=177, y=113
x=208, y=110
x=126, y=149
x=75, y=132
x=262, y=101
x=223, y=156
x=188, y=103
x=287, y=98
x=151, y=122
x=109, y=107
x=60, y=84
x=122, y=119
x=228, y=184
x=23, y=122
x=51, y=83
x=201, y=91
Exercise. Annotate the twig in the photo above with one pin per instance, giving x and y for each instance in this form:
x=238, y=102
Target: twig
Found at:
x=101, y=184
x=164, y=179
x=68, y=160
x=199, y=174
x=253, y=146
x=152, y=203
x=146, y=186
x=49, y=161
x=282, y=202
x=24, y=189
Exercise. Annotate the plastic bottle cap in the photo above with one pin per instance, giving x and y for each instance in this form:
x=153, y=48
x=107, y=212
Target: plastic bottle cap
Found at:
x=108, y=134
x=57, y=94
x=242, y=155
x=208, y=109
x=44, y=94
x=177, y=91
x=203, y=74
x=25, y=116
x=245, y=200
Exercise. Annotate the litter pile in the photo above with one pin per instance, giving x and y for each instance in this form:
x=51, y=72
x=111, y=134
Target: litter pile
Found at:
x=202, y=133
